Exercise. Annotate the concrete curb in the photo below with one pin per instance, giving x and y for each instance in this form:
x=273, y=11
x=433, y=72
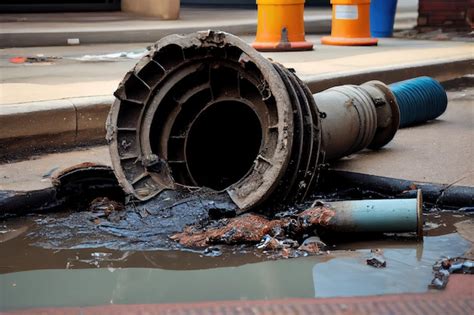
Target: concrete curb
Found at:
x=74, y=121
x=54, y=123
x=313, y=25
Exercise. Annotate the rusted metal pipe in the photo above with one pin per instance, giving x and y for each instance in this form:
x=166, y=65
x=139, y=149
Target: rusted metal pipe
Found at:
x=207, y=110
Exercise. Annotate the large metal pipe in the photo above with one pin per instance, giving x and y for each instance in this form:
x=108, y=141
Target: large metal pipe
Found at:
x=357, y=117
x=207, y=110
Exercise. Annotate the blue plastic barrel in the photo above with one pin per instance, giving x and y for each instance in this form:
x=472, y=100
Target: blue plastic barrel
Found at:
x=382, y=17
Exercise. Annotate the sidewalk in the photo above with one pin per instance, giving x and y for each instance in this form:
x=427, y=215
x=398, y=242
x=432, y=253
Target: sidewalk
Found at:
x=438, y=152
x=77, y=94
x=26, y=30
x=69, y=77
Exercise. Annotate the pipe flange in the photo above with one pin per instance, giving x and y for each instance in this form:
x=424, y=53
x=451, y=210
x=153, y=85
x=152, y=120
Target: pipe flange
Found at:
x=388, y=113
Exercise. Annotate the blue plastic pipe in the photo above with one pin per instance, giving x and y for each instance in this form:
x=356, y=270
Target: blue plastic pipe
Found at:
x=420, y=100
x=384, y=216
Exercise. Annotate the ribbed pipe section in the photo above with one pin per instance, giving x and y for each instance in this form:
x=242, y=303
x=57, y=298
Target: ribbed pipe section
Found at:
x=207, y=110
x=420, y=100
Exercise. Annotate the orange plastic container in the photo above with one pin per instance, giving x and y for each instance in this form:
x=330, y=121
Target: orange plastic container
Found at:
x=350, y=24
x=281, y=26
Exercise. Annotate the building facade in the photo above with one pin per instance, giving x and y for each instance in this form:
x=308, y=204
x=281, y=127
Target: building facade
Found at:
x=446, y=14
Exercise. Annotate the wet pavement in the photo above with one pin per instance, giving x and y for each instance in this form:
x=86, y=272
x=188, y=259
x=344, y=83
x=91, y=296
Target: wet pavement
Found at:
x=95, y=275
x=408, y=270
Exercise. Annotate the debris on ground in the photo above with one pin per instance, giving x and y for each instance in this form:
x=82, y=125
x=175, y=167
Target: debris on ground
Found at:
x=427, y=226
x=269, y=243
x=112, y=56
x=103, y=207
x=435, y=34
x=34, y=59
x=247, y=228
x=252, y=228
x=446, y=266
x=376, y=259
x=277, y=237
x=139, y=226
x=440, y=279
x=194, y=218
x=212, y=251
x=312, y=245
x=42, y=59
x=455, y=265
x=99, y=259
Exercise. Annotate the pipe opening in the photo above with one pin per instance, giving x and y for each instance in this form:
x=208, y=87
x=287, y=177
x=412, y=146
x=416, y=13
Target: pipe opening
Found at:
x=222, y=144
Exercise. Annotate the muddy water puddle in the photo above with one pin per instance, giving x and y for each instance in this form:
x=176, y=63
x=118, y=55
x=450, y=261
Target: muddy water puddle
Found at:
x=34, y=276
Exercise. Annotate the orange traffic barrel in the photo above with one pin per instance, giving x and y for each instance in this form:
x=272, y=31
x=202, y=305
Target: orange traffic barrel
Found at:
x=350, y=24
x=281, y=26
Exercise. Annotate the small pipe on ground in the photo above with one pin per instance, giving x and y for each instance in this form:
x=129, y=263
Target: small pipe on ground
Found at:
x=383, y=216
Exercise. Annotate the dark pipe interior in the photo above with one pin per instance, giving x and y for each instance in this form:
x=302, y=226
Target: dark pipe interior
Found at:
x=222, y=144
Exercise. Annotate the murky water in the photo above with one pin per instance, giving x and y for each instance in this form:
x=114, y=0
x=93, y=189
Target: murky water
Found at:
x=32, y=276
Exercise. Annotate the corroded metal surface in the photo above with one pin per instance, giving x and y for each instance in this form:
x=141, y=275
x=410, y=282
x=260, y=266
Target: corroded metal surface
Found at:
x=183, y=78
x=251, y=228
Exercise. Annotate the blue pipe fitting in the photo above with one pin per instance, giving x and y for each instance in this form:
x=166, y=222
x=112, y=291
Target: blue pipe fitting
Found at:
x=420, y=100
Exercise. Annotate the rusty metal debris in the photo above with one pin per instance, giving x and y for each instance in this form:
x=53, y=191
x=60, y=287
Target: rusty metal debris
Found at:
x=446, y=266
x=104, y=208
x=253, y=229
x=376, y=259
x=207, y=110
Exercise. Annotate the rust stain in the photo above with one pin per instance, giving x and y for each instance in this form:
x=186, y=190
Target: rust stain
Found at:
x=251, y=228
x=248, y=228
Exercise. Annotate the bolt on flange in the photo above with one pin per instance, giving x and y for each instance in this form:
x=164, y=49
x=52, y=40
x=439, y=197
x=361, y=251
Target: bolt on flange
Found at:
x=207, y=110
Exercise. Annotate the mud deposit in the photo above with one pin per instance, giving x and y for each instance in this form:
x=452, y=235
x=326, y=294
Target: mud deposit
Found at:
x=199, y=221
x=130, y=237
x=145, y=226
